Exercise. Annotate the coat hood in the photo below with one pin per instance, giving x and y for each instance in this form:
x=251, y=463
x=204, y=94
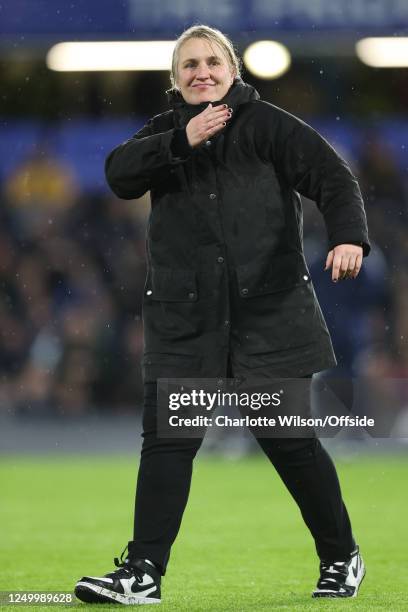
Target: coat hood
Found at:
x=239, y=93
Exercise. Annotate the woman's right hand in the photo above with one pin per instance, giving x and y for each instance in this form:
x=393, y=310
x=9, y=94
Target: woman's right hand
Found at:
x=210, y=121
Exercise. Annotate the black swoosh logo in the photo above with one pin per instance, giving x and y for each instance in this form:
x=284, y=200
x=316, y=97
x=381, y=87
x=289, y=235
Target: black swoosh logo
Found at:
x=355, y=571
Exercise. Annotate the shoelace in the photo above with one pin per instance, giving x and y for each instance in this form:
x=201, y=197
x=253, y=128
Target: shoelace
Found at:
x=121, y=562
x=124, y=564
x=332, y=573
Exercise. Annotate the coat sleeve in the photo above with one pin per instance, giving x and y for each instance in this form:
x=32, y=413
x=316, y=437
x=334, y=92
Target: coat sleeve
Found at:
x=136, y=165
x=310, y=165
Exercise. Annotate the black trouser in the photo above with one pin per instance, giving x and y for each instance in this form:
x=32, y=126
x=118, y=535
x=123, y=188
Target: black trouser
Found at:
x=164, y=483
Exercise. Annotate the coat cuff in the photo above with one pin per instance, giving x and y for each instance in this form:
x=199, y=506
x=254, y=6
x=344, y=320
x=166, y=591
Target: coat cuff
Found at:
x=179, y=145
x=348, y=238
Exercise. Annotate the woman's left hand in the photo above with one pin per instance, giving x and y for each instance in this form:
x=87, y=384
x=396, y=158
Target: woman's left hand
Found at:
x=345, y=261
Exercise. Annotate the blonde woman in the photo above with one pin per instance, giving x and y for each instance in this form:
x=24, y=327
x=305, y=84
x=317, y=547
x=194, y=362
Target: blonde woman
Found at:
x=228, y=292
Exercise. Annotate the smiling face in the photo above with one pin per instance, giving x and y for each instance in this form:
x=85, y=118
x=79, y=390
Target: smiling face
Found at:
x=203, y=71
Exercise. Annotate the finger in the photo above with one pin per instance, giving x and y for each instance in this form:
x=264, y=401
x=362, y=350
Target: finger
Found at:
x=357, y=267
x=352, y=266
x=215, y=126
x=344, y=263
x=211, y=112
x=212, y=120
x=222, y=109
x=215, y=129
x=344, y=266
x=215, y=110
x=345, y=274
x=329, y=259
x=336, y=267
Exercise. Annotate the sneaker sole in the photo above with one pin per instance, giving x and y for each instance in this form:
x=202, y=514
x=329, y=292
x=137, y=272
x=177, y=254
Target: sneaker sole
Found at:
x=91, y=593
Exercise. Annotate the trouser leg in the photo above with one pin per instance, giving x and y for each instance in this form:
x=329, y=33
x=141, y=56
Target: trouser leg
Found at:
x=310, y=476
x=163, y=486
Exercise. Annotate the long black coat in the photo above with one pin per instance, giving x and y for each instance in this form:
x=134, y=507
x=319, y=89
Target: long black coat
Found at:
x=226, y=270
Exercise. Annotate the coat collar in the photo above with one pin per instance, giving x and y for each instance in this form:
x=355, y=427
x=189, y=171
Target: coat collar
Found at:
x=238, y=94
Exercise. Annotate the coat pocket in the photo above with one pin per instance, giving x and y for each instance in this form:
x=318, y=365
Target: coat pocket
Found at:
x=170, y=365
x=271, y=274
x=171, y=284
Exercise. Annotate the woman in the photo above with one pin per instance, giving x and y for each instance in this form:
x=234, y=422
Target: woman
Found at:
x=228, y=292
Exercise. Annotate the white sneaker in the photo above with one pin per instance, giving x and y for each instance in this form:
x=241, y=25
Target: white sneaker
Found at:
x=341, y=578
x=136, y=583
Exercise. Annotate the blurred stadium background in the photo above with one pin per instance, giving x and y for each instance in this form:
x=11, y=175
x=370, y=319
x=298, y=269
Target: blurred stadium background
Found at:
x=72, y=268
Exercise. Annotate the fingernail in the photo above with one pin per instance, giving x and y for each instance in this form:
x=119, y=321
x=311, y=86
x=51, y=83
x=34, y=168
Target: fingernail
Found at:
x=224, y=123
x=230, y=110
x=225, y=105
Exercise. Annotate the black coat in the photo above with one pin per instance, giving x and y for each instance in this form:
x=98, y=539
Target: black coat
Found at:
x=226, y=270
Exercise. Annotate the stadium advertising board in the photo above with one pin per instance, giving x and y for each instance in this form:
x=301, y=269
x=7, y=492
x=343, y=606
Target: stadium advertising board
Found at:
x=158, y=18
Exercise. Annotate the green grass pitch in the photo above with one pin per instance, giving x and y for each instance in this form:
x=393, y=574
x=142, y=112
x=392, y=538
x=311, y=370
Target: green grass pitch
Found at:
x=242, y=545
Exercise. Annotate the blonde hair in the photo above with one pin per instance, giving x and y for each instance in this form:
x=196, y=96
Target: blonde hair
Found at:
x=211, y=35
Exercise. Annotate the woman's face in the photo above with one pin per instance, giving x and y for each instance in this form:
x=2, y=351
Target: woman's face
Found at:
x=203, y=72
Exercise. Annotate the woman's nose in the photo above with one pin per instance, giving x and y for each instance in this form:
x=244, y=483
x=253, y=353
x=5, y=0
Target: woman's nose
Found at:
x=202, y=71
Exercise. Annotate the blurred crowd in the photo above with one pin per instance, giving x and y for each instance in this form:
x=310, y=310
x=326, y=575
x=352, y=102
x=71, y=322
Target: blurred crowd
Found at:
x=72, y=273
x=72, y=270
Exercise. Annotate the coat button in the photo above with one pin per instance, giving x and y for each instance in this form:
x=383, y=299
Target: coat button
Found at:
x=212, y=196
x=226, y=322
x=191, y=295
x=149, y=292
x=305, y=277
x=220, y=260
x=244, y=291
x=208, y=143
